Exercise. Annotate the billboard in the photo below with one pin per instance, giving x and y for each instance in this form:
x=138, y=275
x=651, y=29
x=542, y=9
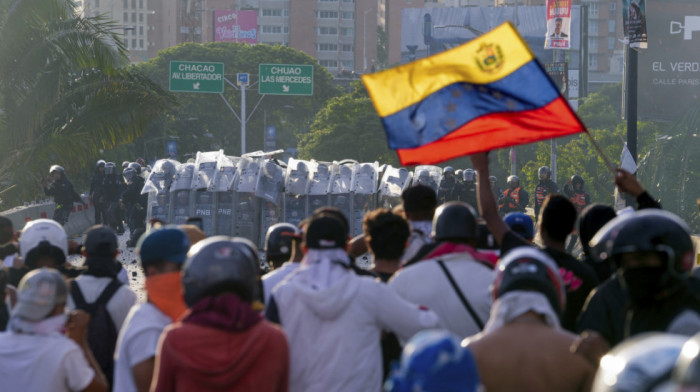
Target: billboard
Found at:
x=669, y=70
x=558, y=24
x=236, y=26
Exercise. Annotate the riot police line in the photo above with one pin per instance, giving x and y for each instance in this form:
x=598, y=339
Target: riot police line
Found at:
x=244, y=196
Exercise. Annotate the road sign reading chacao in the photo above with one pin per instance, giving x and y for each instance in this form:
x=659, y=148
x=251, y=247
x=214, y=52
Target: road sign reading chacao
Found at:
x=196, y=77
x=286, y=79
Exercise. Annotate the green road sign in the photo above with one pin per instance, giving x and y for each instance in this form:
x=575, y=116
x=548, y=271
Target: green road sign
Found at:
x=196, y=77
x=286, y=79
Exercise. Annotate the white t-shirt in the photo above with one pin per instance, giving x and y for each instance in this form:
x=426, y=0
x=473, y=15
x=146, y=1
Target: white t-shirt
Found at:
x=272, y=278
x=137, y=342
x=118, y=306
x=42, y=363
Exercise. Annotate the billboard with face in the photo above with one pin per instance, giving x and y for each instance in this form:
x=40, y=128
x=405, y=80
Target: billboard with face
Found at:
x=236, y=26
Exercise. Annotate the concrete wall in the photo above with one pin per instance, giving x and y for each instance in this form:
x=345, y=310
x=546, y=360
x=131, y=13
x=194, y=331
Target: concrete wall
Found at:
x=82, y=216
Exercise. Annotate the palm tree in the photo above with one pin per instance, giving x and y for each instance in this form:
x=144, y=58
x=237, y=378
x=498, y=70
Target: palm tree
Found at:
x=66, y=90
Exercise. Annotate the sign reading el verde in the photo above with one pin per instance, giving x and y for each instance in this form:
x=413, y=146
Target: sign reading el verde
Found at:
x=286, y=79
x=196, y=77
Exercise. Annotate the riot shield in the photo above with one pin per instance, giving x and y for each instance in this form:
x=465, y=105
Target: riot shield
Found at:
x=205, y=169
x=157, y=186
x=180, y=192
x=342, y=176
x=296, y=187
x=394, y=181
x=269, y=191
x=319, y=187
x=364, y=190
x=204, y=207
x=245, y=204
x=224, y=177
x=428, y=175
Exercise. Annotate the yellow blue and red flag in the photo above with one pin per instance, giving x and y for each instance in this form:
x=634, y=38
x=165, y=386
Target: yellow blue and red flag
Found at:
x=488, y=93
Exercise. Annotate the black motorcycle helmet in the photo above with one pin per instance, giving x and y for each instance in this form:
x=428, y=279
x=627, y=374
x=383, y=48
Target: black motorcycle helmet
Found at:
x=278, y=241
x=220, y=264
x=455, y=220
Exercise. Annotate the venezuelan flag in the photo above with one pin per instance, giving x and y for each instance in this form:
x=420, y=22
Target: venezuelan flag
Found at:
x=488, y=93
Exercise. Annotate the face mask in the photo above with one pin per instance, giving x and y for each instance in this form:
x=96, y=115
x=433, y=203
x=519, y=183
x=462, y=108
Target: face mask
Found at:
x=644, y=284
x=165, y=292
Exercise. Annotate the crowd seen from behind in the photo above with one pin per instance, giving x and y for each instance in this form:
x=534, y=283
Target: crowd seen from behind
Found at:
x=464, y=293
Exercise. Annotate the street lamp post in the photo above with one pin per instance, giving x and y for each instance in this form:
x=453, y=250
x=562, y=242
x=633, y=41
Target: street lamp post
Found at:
x=364, y=41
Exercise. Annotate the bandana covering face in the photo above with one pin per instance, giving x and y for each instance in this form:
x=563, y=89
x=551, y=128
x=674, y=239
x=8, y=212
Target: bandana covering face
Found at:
x=516, y=303
x=165, y=292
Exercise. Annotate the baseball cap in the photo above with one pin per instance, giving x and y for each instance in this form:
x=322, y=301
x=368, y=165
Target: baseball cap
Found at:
x=100, y=241
x=325, y=232
x=168, y=243
x=42, y=230
x=521, y=223
x=38, y=293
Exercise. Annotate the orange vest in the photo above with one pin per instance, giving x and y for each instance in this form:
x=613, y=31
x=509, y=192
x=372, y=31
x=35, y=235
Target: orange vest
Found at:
x=514, y=195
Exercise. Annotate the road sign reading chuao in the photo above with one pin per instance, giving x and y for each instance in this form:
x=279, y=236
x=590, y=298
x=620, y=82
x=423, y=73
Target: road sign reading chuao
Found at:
x=196, y=77
x=286, y=79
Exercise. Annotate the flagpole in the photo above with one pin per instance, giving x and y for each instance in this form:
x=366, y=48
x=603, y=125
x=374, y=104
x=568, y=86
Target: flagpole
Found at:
x=608, y=163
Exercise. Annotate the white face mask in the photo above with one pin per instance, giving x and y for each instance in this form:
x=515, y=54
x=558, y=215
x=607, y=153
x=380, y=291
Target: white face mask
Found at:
x=49, y=326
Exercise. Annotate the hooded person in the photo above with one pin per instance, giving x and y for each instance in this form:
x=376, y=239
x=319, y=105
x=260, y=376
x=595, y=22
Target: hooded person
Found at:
x=99, y=292
x=45, y=349
x=419, y=204
x=325, y=304
x=528, y=297
x=161, y=253
x=222, y=342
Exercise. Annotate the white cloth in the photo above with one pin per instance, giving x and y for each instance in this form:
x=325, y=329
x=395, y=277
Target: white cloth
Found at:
x=516, y=303
x=420, y=235
x=42, y=363
x=272, y=278
x=9, y=261
x=138, y=341
x=118, y=306
x=425, y=283
x=322, y=268
x=334, y=331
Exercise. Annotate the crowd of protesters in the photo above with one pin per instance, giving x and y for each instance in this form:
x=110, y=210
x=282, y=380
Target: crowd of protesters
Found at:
x=461, y=295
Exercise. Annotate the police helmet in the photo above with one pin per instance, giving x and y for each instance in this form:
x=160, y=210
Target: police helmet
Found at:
x=459, y=173
x=576, y=179
x=454, y=220
x=527, y=268
x=434, y=360
x=641, y=363
x=56, y=168
x=448, y=169
x=100, y=163
x=544, y=173
x=278, y=241
x=493, y=179
x=470, y=175
x=513, y=180
x=129, y=174
x=649, y=230
x=125, y=164
x=109, y=168
x=220, y=264
x=136, y=167
x=521, y=223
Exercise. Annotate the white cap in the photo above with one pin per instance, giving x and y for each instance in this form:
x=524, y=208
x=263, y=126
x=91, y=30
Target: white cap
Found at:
x=41, y=230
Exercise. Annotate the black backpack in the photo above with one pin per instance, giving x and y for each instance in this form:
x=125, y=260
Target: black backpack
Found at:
x=102, y=333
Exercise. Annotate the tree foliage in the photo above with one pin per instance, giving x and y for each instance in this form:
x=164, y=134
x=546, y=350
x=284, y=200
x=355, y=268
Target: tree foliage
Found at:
x=65, y=92
x=204, y=122
x=347, y=128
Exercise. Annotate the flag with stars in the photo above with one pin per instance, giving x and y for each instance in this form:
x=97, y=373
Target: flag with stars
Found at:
x=488, y=93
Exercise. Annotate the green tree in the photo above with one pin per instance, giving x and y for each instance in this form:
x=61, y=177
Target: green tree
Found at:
x=382, y=50
x=203, y=122
x=65, y=91
x=347, y=128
